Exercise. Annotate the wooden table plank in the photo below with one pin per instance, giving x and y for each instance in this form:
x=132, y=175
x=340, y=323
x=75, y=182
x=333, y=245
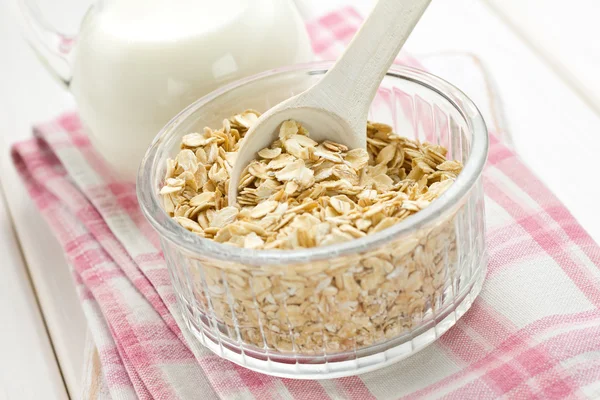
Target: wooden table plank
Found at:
x=565, y=34
x=52, y=281
x=28, y=367
x=28, y=95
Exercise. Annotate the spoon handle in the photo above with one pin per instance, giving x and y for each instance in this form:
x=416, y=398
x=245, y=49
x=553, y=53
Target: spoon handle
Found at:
x=350, y=86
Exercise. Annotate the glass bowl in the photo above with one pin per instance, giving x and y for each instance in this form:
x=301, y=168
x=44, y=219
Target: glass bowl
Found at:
x=347, y=308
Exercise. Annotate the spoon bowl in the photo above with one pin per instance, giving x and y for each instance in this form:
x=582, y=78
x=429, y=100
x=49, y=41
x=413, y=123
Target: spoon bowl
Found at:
x=322, y=125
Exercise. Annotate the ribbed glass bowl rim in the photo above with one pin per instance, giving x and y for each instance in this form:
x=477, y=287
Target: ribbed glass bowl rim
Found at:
x=172, y=231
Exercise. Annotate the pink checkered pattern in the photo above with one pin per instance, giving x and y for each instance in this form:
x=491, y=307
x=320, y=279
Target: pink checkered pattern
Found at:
x=533, y=333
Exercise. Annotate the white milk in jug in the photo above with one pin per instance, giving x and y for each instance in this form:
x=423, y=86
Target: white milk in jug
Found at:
x=137, y=63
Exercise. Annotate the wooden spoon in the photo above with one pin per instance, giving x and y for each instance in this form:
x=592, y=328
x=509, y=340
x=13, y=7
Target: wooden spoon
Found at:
x=336, y=107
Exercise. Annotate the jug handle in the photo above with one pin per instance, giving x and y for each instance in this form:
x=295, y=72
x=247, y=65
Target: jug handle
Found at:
x=51, y=47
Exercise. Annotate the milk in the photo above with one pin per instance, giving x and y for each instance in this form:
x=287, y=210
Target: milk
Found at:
x=137, y=63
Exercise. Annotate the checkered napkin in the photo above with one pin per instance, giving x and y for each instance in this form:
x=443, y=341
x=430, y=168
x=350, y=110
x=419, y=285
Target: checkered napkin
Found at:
x=533, y=333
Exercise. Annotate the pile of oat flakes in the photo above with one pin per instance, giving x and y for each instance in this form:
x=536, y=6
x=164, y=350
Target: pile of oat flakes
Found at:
x=299, y=193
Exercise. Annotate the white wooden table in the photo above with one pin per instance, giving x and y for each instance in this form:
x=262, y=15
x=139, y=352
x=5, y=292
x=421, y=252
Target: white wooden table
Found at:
x=542, y=58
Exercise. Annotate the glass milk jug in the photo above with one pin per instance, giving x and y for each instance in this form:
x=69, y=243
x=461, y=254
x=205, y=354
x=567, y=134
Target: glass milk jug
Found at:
x=136, y=63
